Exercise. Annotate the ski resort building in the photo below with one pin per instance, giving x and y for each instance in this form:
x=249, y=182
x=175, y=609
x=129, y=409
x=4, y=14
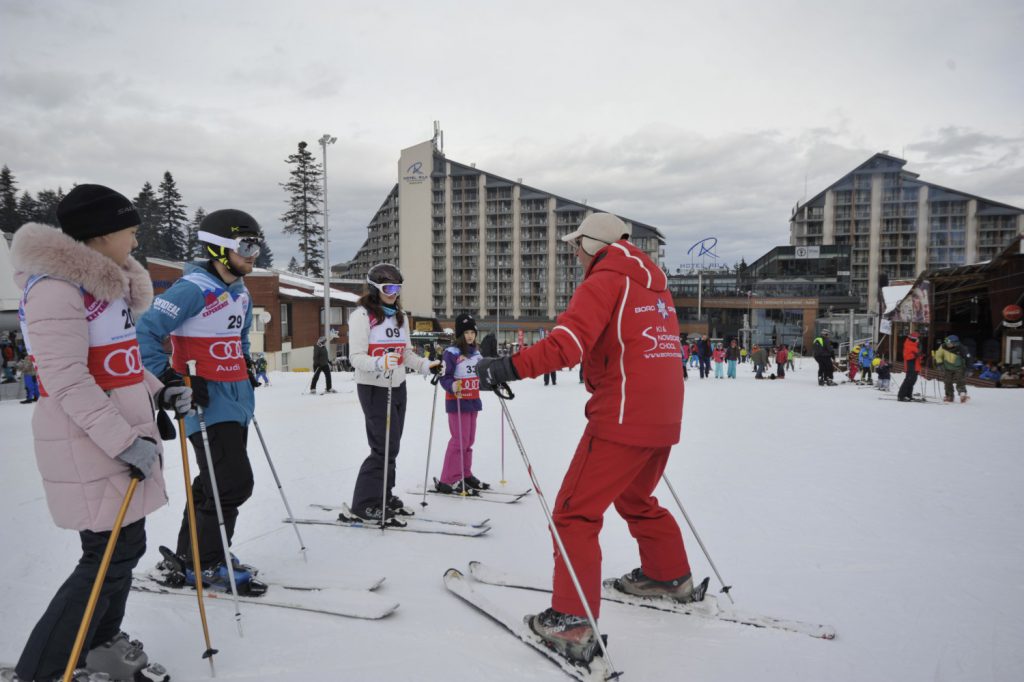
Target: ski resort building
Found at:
x=468, y=240
x=898, y=225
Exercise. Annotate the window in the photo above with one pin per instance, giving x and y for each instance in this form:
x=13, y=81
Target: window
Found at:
x=257, y=320
x=286, y=322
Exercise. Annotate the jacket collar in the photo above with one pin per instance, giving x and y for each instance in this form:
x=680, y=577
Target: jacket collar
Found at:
x=44, y=250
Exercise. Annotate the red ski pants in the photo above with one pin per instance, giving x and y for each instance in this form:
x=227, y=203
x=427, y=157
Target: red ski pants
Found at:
x=603, y=473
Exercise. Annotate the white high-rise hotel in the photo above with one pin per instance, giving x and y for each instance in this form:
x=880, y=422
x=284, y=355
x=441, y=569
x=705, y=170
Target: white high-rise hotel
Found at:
x=898, y=225
x=469, y=241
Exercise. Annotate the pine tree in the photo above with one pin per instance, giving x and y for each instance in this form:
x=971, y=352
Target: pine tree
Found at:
x=302, y=217
x=173, y=221
x=293, y=266
x=28, y=209
x=10, y=221
x=266, y=257
x=149, y=230
x=192, y=237
x=48, y=201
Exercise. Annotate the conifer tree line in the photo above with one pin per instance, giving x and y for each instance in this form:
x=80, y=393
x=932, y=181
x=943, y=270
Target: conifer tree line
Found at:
x=167, y=231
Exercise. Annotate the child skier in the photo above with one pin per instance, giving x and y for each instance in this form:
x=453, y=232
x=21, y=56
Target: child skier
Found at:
x=884, y=374
x=718, y=356
x=462, y=403
x=781, y=357
x=261, y=369
x=94, y=426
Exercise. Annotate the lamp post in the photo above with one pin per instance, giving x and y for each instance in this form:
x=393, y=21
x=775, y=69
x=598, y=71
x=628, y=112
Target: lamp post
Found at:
x=324, y=141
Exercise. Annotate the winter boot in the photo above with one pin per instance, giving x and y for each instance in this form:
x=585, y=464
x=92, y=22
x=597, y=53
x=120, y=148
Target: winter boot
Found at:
x=123, y=660
x=457, y=488
x=476, y=484
x=638, y=584
x=217, y=578
x=948, y=399
x=569, y=636
x=372, y=514
x=396, y=505
x=963, y=398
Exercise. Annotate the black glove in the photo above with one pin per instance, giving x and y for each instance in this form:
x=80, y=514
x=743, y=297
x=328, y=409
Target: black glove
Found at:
x=493, y=372
x=171, y=378
x=252, y=372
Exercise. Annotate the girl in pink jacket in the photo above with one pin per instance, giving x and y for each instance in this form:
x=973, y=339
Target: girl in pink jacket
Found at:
x=718, y=356
x=94, y=422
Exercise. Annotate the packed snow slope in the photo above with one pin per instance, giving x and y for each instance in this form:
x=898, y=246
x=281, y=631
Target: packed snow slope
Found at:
x=899, y=524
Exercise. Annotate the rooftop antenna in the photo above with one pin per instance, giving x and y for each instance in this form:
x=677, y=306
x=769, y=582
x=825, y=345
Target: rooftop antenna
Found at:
x=438, y=137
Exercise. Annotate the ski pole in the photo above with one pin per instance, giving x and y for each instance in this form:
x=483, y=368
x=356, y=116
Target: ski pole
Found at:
x=430, y=438
x=554, y=531
x=503, y=480
x=101, y=576
x=725, y=588
x=280, y=488
x=387, y=458
x=462, y=446
x=190, y=508
x=220, y=512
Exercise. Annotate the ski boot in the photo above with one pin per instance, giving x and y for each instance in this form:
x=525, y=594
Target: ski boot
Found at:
x=79, y=675
x=457, y=488
x=123, y=660
x=217, y=578
x=680, y=590
x=570, y=636
x=396, y=505
x=239, y=566
x=476, y=484
x=373, y=514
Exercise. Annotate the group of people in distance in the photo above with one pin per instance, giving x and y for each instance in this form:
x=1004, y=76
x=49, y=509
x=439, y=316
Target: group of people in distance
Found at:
x=95, y=334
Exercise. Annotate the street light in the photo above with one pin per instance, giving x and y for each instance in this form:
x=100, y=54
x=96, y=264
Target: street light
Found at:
x=324, y=141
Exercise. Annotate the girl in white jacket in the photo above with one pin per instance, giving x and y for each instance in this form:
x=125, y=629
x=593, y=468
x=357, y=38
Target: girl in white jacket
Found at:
x=380, y=349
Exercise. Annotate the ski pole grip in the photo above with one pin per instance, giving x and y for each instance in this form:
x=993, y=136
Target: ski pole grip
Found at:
x=190, y=367
x=504, y=392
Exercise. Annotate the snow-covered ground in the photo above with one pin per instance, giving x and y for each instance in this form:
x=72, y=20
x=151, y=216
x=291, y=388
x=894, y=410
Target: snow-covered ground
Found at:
x=899, y=524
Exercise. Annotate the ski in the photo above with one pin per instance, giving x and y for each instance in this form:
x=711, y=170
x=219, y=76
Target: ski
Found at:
x=710, y=607
x=464, y=588
x=912, y=400
x=414, y=526
x=330, y=601
x=479, y=496
x=446, y=522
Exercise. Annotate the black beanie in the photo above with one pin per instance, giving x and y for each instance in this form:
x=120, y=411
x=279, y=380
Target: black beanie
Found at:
x=94, y=210
x=464, y=323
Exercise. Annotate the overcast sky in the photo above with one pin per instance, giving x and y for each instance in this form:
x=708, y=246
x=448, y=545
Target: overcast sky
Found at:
x=701, y=118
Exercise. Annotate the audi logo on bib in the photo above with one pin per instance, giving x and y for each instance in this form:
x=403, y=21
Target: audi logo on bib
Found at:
x=226, y=350
x=123, y=362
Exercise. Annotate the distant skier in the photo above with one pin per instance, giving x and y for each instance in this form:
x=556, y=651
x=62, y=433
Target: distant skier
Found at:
x=622, y=305
x=824, y=355
x=718, y=356
x=94, y=421
x=865, y=359
x=462, y=404
x=261, y=368
x=884, y=374
x=912, y=364
x=732, y=356
x=321, y=365
x=952, y=358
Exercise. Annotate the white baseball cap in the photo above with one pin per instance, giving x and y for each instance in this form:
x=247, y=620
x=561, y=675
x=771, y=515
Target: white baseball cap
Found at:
x=597, y=231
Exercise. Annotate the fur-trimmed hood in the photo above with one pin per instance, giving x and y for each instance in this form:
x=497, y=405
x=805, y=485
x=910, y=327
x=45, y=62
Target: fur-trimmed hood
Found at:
x=41, y=249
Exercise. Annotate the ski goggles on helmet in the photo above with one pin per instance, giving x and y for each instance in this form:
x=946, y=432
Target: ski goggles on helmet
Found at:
x=388, y=289
x=247, y=247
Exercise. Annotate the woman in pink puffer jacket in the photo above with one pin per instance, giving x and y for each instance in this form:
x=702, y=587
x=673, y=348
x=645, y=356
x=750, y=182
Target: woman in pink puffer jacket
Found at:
x=94, y=421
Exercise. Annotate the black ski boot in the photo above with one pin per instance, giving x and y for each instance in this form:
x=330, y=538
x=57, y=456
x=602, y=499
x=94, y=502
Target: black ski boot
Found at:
x=123, y=660
x=372, y=514
x=396, y=505
x=476, y=484
x=457, y=488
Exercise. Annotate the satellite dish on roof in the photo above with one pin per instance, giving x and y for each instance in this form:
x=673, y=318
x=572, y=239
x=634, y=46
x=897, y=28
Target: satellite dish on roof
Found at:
x=265, y=316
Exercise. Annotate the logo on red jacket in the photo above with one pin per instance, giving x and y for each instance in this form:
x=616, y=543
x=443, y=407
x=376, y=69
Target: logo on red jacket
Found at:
x=93, y=306
x=123, y=362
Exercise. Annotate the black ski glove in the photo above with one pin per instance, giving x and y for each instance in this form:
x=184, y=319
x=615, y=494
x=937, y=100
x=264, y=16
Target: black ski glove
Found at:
x=493, y=372
x=252, y=372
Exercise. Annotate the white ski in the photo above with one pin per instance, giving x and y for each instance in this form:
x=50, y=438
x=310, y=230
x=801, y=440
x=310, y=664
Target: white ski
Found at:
x=330, y=601
x=710, y=607
x=463, y=587
x=446, y=522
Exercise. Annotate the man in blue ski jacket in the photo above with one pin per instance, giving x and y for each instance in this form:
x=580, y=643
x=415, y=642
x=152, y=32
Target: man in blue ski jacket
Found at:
x=207, y=314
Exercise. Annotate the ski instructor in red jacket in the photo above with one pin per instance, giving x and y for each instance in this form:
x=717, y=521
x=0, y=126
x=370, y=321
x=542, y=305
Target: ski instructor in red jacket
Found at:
x=622, y=326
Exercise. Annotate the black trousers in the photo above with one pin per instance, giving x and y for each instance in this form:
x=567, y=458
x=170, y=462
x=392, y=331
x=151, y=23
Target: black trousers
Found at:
x=552, y=376
x=907, y=387
x=49, y=646
x=234, y=482
x=316, y=376
x=704, y=364
x=370, y=483
x=824, y=369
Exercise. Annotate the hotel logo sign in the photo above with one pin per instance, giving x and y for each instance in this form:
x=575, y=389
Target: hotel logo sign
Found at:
x=414, y=174
x=705, y=257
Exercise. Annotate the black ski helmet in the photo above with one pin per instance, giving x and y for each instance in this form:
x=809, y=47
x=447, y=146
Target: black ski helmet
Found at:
x=384, y=273
x=220, y=231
